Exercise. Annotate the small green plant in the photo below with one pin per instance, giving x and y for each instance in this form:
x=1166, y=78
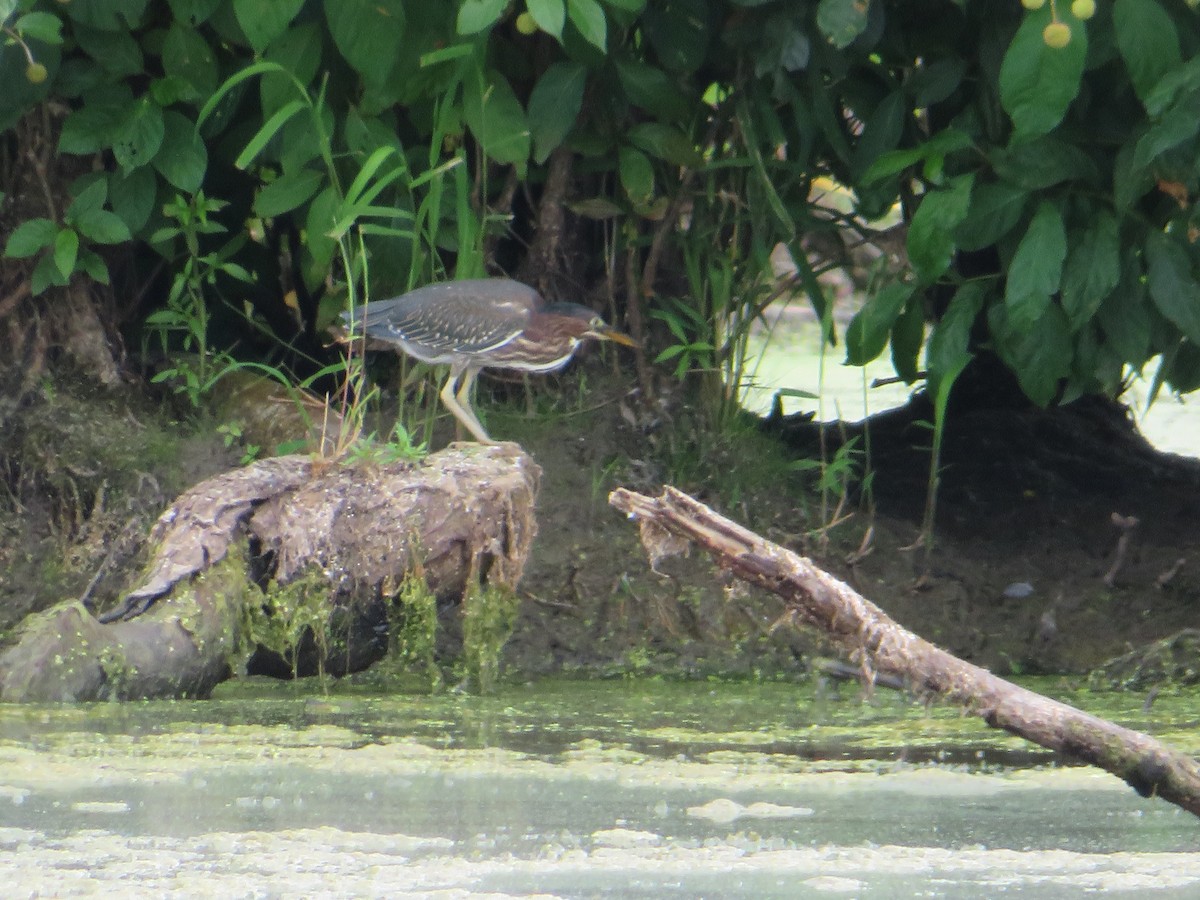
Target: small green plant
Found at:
x=231, y=434
x=835, y=478
x=65, y=248
x=398, y=448
x=186, y=315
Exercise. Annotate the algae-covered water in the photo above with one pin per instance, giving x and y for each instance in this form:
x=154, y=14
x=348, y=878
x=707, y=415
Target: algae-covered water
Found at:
x=574, y=789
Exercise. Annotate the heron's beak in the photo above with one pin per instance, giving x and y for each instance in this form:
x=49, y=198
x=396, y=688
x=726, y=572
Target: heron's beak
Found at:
x=617, y=337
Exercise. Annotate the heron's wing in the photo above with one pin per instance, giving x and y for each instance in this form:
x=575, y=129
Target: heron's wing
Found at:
x=451, y=319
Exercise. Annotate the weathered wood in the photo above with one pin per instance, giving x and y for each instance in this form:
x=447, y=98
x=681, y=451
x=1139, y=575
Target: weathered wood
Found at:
x=882, y=645
x=460, y=516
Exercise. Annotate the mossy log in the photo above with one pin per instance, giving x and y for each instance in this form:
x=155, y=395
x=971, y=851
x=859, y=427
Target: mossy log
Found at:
x=232, y=552
x=878, y=644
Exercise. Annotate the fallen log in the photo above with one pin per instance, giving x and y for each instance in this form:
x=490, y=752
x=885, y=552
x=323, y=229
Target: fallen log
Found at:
x=880, y=645
x=234, y=550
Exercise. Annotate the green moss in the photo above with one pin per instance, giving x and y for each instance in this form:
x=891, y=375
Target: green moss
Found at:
x=414, y=628
x=288, y=614
x=489, y=615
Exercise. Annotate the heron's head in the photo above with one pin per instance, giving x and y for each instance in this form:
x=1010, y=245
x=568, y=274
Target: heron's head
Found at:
x=581, y=322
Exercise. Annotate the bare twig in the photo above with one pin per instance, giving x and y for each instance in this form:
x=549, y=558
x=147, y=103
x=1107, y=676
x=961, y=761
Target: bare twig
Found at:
x=1126, y=524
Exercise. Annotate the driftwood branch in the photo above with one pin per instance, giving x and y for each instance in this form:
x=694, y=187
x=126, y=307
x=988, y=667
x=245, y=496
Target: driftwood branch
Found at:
x=883, y=646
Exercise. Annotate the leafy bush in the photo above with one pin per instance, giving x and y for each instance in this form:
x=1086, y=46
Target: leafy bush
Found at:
x=1046, y=191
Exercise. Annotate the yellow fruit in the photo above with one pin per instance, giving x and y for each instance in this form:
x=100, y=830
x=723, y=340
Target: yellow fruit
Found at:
x=526, y=24
x=36, y=73
x=1033, y=4
x=1083, y=9
x=1057, y=35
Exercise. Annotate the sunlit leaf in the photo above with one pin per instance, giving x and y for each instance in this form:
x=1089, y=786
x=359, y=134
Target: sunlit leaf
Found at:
x=841, y=21
x=1037, y=82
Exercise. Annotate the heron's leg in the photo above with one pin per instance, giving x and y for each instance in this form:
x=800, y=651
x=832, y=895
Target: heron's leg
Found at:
x=459, y=403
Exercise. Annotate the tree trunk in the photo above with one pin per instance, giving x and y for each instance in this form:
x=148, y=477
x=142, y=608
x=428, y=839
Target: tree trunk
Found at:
x=881, y=645
x=335, y=537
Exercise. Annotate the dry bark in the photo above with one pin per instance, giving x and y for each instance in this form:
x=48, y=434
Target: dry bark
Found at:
x=460, y=516
x=880, y=645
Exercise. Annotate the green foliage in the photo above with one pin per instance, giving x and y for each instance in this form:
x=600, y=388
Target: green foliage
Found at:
x=1057, y=180
x=64, y=248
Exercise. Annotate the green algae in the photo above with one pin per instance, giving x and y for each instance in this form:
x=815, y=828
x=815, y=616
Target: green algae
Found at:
x=489, y=616
x=651, y=719
x=413, y=626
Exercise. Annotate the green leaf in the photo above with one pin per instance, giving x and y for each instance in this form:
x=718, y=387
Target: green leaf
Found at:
x=1148, y=42
x=263, y=22
x=103, y=227
x=183, y=159
x=588, y=17
x=39, y=26
x=94, y=266
x=1172, y=282
x=637, y=175
x=296, y=55
x=321, y=213
x=881, y=130
x=652, y=90
x=934, y=82
x=1125, y=316
x=940, y=146
x=908, y=334
x=596, y=208
x=88, y=200
x=111, y=15
x=116, y=51
x=188, y=56
x=867, y=333
x=132, y=196
x=140, y=135
x=1180, y=80
x=680, y=32
x=667, y=142
x=94, y=126
x=633, y=6
x=930, y=234
x=475, y=16
x=554, y=105
x=1092, y=270
x=1040, y=354
x=496, y=118
x=1180, y=123
x=842, y=21
x=30, y=237
x=269, y=129
x=367, y=32
x=1036, y=268
x=45, y=274
x=195, y=12
x=550, y=15
x=995, y=208
x=949, y=347
x=1037, y=82
x=287, y=192
x=1042, y=163
x=66, y=251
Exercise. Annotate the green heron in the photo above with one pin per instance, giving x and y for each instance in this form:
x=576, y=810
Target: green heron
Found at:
x=478, y=324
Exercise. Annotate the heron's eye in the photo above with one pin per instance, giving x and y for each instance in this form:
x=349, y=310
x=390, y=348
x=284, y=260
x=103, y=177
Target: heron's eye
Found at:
x=596, y=322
